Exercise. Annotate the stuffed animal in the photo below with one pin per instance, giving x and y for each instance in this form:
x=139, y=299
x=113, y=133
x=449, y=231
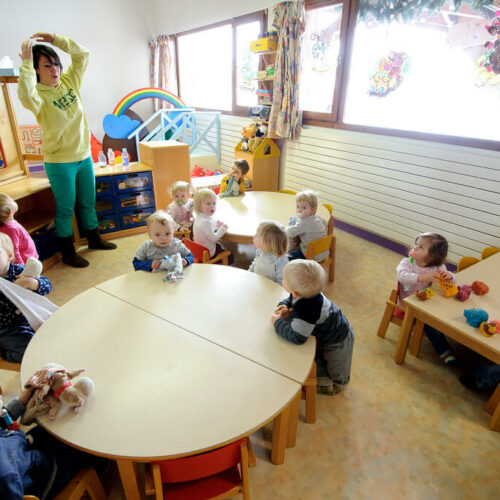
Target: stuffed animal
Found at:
x=174, y=267
x=248, y=133
x=464, y=292
x=52, y=388
x=480, y=288
x=475, y=316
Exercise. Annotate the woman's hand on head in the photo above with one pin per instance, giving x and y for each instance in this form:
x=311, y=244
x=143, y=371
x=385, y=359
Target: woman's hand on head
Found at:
x=42, y=36
x=26, y=52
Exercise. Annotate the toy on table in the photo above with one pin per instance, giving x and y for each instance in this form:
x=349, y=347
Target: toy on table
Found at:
x=475, y=316
x=464, y=292
x=172, y=264
x=53, y=387
x=480, y=288
x=449, y=288
x=488, y=328
x=6, y=421
x=497, y=323
x=424, y=294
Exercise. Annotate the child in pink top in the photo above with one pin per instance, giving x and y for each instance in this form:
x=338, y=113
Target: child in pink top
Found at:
x=24, y=246
x=425, y=266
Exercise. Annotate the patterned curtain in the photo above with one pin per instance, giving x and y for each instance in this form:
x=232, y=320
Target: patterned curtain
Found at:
x=406, y=10
x=159, y=67
x=285, y=118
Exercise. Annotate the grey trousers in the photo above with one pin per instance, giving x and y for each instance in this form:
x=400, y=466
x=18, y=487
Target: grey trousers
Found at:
x=333, y=362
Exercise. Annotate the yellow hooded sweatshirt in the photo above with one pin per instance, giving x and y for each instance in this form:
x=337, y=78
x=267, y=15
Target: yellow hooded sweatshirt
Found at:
x=59, y=110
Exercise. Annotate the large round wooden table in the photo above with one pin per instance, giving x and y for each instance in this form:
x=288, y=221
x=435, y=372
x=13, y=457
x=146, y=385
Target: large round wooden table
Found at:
x=179, y=368
x=243, y=213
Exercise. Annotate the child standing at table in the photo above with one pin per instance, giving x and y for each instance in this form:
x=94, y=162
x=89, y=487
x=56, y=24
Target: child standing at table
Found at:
x=150, y=254
x=425, y=266
x=15, y=331
x=271, y=243
x=233, y=183
x=181, y=208
x=308, y=312
x=306, y=226
x=207, y=231
x=24, y=247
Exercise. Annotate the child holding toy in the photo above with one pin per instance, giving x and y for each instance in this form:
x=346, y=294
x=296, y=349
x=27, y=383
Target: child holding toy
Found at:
x=425, y=266
x=152, y=253
x=271, y=243
x=306, y=226
x=233, y=184
x=308, y=312
x=15, y=331
x=207, y=231
x=24, y=247
x=181, y=208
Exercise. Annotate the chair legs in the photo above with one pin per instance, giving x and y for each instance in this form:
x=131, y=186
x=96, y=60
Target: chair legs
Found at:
x=309, y=394
x=85, y=481
x=386, y=318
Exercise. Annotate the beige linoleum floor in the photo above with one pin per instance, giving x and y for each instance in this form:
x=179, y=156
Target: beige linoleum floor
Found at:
x=409, y=431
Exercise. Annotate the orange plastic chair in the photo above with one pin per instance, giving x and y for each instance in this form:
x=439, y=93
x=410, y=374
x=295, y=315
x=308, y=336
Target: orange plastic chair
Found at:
x=202, y=255
x=287, y=191
x=214, y=474
x=488, y=252
x=8, y=365
x=466, y=262
x=327, y=243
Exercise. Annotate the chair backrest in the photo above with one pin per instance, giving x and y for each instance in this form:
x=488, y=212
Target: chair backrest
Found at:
x=331, y=221
x=466, y=262
x=489, y=251
x=199, y=466
x=318, y=246
x=287, y=191
x=201, y=253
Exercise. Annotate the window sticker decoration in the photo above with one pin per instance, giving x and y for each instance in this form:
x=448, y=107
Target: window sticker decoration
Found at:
x=320, y=44
x=389, y=74
x=487, y=69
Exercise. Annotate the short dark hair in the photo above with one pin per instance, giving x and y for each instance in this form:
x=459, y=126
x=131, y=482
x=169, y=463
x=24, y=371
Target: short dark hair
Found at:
x=43, y=50
x=438, y=249
x=243, y=166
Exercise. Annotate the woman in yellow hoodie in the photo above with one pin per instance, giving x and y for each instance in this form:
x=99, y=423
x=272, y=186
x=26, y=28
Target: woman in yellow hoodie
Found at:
x=54, y=98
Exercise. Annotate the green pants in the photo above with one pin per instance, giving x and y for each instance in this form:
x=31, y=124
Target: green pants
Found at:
x=73, y=182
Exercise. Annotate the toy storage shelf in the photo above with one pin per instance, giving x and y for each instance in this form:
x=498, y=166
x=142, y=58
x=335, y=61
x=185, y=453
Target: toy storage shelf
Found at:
x=263, y=163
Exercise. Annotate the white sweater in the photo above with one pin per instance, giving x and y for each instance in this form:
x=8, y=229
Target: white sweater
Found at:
x=206, y=232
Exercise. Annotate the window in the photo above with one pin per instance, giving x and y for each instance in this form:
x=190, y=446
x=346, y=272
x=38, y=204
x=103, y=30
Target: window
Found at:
x=216, y=68
x=423, y=75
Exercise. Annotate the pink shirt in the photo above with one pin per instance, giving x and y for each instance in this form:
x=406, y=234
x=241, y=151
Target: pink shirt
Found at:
x=24, y=246
x=408, y=274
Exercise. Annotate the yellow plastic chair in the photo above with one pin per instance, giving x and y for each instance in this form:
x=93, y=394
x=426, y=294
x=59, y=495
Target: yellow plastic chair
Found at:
x=287, y=191
x=488, y=252
x=327, y=243
x=331, y=221
x=466, y=262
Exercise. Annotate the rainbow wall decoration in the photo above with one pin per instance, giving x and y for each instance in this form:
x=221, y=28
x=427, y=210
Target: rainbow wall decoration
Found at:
x=119, y=126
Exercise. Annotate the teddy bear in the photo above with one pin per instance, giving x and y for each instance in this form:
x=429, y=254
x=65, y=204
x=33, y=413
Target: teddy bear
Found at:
x=53, y=387
x=248, y=133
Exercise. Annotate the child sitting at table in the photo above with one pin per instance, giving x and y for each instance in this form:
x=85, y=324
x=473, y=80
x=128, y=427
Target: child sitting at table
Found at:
x=181, y=208
x=271, y=243
x=305, y=227
x=233, y=184
x=162, y=244
x=425, y=266
x=15, y=330
x=206, y=230
x=24, y=246
x=308, y=312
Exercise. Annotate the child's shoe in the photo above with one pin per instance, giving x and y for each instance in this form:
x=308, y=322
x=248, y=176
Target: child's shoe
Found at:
x=328, y=390
x=468, y=380
x=450, y=360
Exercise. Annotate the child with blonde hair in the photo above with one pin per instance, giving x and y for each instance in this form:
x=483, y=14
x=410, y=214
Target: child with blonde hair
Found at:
x=233, y=183
x=181, y=208
x=24, y=247
x=271, y=243
x=15, y=329
x=308, y=312
x=306, y=226
x=151, y=255
x=207, y=231
x=425, y=266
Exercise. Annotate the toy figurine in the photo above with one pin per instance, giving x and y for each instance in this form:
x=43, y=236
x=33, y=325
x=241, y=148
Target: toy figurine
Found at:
x=480, y=288
x=464, y=292
x=449, y=288
x=424, y=294
x=174, y=267
x=475, y=316
x=488, y=328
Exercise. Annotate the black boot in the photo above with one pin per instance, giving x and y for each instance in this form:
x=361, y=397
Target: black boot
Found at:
x=69, y=256
x=97, y=243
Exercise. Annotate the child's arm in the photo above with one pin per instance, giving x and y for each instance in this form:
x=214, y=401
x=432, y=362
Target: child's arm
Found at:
x=142, y=265
x=406, y=275
x=295, y=230
x=213, y=236
x=79, y=57
x=295, y=331
x=252, y=265
x=141, y=261
x=185, y=254
x=444, y=274
x=26, y=88
x=278, y=267
x=41, y=285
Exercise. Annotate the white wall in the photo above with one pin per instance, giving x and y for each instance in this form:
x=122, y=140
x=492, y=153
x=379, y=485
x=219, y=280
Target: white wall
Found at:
x=116, y=32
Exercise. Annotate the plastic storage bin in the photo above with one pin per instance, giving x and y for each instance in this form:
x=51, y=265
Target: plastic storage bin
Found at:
x=107, y=223
x=135, y=199
x=125, y=183
x=105, y=205
x=135, y=218
x=104, y=186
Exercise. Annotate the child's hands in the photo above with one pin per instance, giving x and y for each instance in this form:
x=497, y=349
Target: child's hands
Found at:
x=27, y=283
x=43, y=36
x=26, y=52
x=443, y=276
x=425, y=278
x=155, y=264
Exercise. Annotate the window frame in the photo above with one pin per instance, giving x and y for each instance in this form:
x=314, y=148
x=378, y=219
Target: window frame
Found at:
x=260, y=16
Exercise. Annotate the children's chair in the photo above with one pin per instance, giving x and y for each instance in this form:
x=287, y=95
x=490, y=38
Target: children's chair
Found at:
x=287, y=191
x=8, y=365
x=214, y=474
x=202, y=255
x=466, y=262
x=185, y=233
x=331, y=221
x=488, y=252
x=86, y=481
x=327, y=243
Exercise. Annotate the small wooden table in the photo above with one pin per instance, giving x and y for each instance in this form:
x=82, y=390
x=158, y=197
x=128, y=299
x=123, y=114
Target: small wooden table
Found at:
x=178, y=368
x=244, y=213
x=446, y=315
